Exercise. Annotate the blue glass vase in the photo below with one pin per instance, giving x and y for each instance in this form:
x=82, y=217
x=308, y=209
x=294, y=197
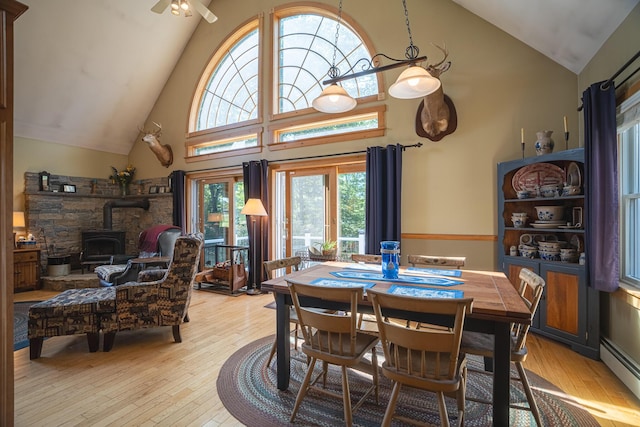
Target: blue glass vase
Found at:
x=390, y=251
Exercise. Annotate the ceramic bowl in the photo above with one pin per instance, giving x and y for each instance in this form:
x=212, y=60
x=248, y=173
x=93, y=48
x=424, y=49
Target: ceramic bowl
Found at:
x=518, y=222
x=550, y=213
x=523, y=194
x=549, y=255
x=568, y=255
x=550, y=190
x=528, y=253
x=571, y=190
x=520, y=214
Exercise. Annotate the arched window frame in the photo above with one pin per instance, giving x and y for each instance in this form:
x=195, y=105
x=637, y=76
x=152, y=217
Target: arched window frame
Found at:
x=328, y=11
x=281, y=123
x=223, y=134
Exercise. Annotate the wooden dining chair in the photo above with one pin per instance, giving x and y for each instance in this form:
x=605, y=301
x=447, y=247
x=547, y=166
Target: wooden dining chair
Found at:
x=270, y=267
x=531, y=289
x=436, y=261
x=333, y=338
x=367, y=258
x=431, y=261
x=428, y=359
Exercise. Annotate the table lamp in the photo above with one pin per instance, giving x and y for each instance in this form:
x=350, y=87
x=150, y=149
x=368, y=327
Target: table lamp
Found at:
x=18, y=223
x=254, y=208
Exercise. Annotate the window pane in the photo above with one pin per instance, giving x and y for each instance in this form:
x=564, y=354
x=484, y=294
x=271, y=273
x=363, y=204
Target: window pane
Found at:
x=306, y=48
x=231, y=95
x=227, y=145
x=630, y=204
x=351, y=211
x=334, y=127
x=307, y=211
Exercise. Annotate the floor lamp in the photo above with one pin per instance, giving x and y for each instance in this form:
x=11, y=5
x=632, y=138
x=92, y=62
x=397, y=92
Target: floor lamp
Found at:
x=254, y=208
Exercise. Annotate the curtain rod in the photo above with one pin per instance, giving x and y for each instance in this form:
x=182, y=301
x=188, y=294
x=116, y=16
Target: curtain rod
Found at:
x=404, y=147
x=605, y=85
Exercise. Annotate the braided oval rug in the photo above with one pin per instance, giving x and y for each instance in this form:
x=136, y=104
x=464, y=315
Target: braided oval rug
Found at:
x=248, y=390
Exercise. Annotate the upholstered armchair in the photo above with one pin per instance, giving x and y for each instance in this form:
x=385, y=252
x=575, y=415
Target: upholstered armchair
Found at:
x=156, y=241
x=162, y=302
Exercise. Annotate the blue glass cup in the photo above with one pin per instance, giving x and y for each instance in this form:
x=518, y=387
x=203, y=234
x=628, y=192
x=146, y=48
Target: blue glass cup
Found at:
x=390, y=251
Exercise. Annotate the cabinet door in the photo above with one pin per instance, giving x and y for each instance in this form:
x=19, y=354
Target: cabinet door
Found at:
x=563, y=309
x=512, y=267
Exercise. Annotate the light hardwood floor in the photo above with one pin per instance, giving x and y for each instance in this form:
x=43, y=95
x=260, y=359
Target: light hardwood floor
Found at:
x=147, y=379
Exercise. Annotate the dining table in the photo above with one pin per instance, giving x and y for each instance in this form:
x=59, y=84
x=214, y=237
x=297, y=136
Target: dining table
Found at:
x=496, y=306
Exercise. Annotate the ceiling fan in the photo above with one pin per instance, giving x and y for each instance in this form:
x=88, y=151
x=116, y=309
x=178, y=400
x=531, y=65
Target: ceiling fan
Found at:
x=184, y=6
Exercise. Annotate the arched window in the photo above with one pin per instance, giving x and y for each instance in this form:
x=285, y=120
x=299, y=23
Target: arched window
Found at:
x=226, y=117
x=306, y=48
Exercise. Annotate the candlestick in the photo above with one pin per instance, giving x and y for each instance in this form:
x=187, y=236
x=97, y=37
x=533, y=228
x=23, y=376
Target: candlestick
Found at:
x=565, y=125
x=566, y=140
x=522, y=135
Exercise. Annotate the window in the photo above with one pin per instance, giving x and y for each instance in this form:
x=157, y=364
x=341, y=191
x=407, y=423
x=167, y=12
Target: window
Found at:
x=228, y=97
x=319, y=202
x=629, y=165
x=306, y=43
x=225, y=114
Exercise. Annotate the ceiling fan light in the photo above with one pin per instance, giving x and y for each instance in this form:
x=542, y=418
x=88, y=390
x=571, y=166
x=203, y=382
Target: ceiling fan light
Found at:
x=334, y=99
x=175, y=12
x=184, y=5
x=175, y=5
x=414, y=82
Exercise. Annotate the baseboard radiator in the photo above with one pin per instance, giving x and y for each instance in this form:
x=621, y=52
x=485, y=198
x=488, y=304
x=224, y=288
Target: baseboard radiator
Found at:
x=625, y=368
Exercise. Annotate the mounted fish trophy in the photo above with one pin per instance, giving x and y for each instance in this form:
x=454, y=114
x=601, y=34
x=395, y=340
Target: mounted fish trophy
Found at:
x=436, y=116
x=162, y=152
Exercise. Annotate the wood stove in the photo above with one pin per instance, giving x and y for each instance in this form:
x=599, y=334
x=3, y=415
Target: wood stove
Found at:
x=102, y=245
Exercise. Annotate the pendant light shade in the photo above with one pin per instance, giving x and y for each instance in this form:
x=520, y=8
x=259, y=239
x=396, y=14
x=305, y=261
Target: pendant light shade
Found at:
x=414, y=82
x=334, y=99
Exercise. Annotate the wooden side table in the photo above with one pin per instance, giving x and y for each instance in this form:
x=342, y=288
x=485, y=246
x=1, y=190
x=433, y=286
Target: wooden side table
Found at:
x=26, y=269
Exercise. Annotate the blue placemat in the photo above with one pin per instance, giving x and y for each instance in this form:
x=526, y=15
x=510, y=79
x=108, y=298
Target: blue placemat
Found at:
x=403, y=278
x=337, y=283
x=416, y=291
x=436, y=271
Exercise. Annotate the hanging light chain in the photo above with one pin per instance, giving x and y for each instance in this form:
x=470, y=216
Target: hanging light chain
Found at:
x=412, y=51
x=333, y=70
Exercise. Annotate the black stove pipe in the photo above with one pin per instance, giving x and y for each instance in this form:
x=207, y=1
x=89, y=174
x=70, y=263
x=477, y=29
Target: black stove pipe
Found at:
x=108, y=207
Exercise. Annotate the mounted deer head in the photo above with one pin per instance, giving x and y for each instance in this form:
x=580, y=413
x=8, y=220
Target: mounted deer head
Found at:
x=436, y=116
x=162, y=152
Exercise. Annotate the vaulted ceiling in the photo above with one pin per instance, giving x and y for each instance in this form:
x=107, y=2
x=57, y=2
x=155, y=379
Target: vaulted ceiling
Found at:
x=87, y=73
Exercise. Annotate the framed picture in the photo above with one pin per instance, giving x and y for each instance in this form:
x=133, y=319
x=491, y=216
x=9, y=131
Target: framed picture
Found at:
x=153, y=189
x=68, y=188
x=45, y=181
x=162, y=189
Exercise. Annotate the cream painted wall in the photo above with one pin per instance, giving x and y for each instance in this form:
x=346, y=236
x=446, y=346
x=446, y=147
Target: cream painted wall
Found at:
x=31, y=155
x=497, y=83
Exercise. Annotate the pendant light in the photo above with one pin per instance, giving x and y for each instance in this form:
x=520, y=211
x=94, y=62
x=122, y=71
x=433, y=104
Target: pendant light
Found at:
x=334, y=99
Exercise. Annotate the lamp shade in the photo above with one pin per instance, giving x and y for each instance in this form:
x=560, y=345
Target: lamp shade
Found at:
x=334, y=99
x=214, y=217
x=414, y=82
x=254, y=207
x=18, y=220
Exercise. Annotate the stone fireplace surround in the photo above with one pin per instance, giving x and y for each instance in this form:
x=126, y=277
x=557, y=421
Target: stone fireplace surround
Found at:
x=58, y=219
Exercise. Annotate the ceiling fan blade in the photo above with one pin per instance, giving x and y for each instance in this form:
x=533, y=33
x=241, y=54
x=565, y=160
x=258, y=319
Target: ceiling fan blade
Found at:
x=160, y=6
x=206, y=13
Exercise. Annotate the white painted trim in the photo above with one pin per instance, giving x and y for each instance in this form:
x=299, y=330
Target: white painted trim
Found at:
x=611, y=356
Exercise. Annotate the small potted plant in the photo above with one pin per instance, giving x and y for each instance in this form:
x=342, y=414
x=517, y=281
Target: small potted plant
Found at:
x=324, y=250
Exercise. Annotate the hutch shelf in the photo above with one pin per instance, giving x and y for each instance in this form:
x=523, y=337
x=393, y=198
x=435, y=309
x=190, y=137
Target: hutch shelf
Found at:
x=569, y=308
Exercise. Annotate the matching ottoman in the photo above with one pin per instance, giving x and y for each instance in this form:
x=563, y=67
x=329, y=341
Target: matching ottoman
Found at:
x=75, y=311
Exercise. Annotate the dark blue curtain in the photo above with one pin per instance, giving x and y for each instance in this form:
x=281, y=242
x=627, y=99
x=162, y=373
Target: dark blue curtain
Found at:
x=383, y=199
x=177, y=179
x=256, y=186
x=601, y=163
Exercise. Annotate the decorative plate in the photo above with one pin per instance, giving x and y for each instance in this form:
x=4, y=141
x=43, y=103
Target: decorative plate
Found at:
x=531, y=177
x=573, y=175
x=534, y=225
